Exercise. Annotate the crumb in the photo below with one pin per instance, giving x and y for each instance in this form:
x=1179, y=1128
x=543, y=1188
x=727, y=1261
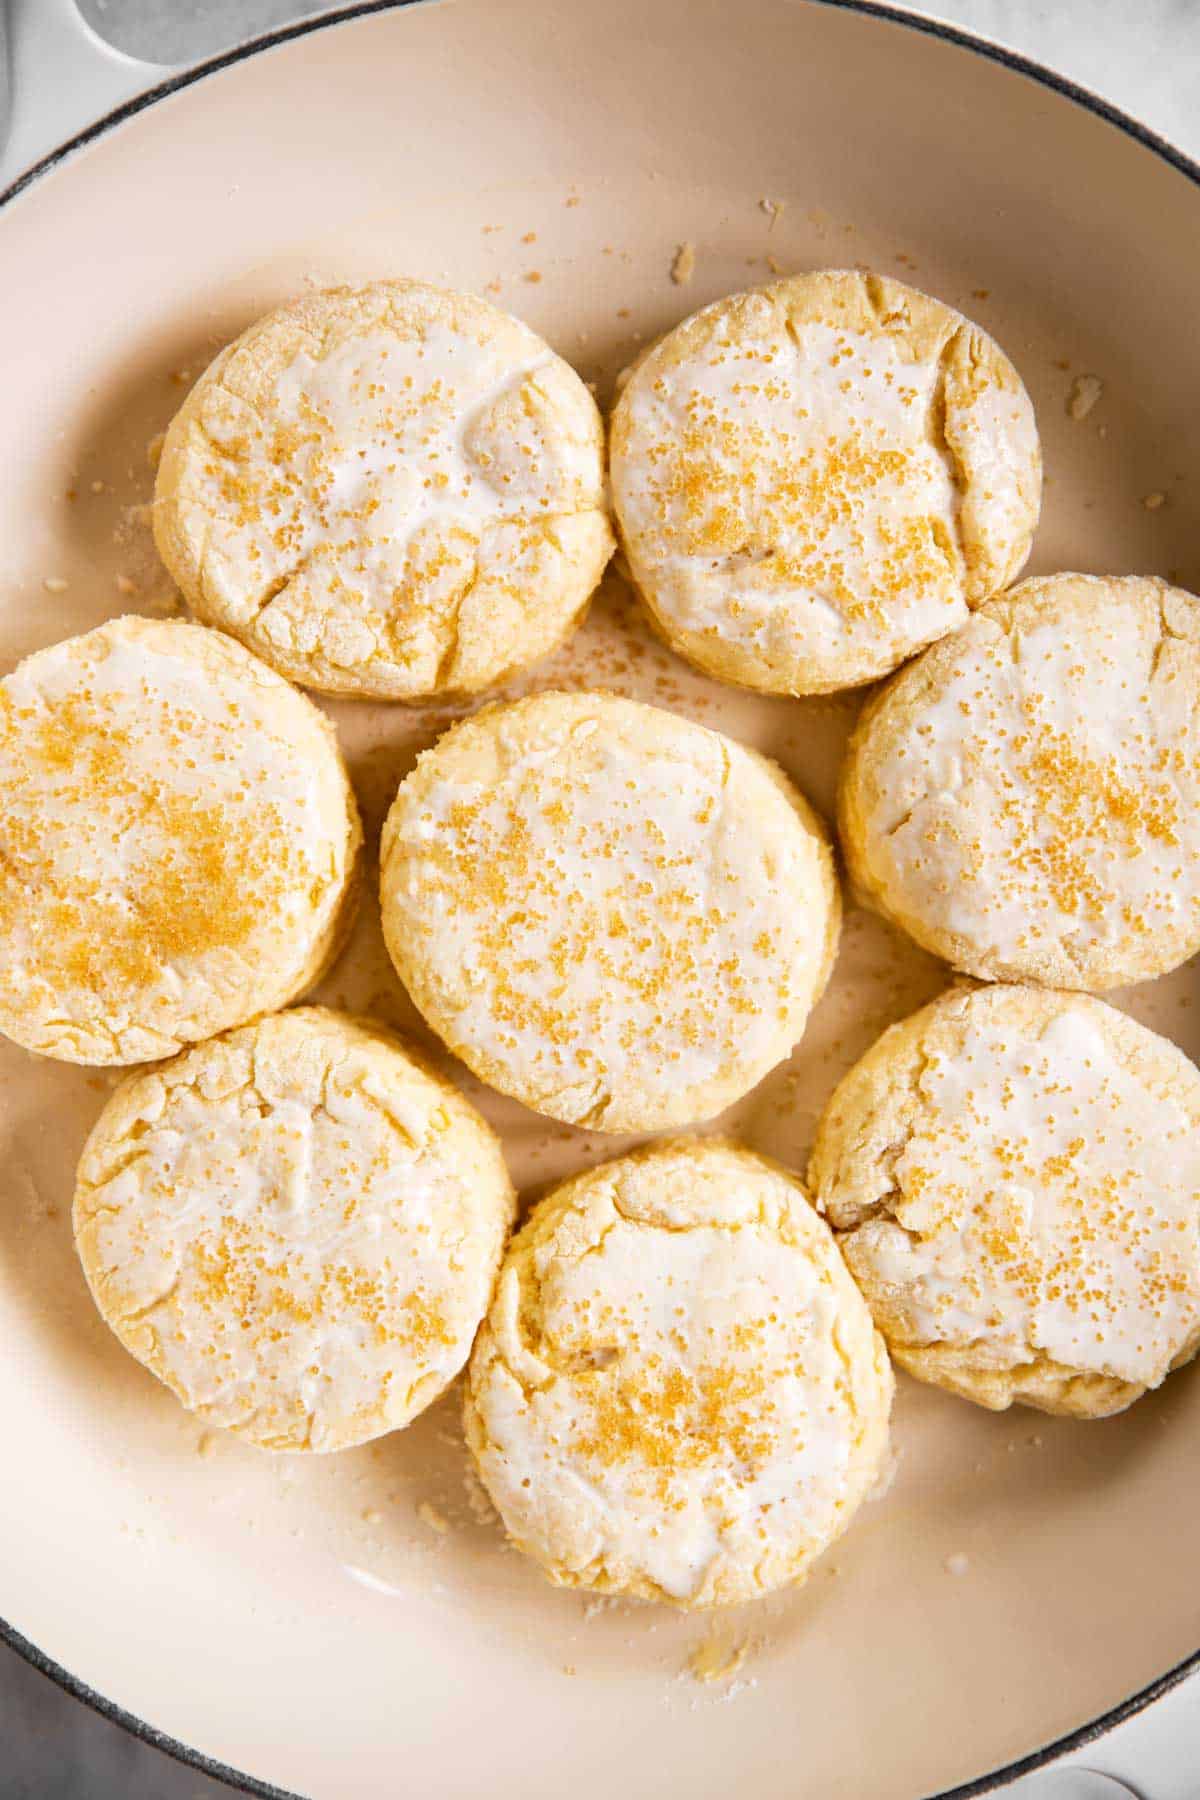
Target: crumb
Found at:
x=772, y=208
x=530, y=237
x=568, y=1668
x=98, y=487
x=716, y=1657
x=181, y=377
x=1085, y=391
x=54, y=584
x=125, y=586
x=622, y=312
x=494, y=286
x=571, y=200
x=958, y=1564
x=207, y=1446
x=774, y=264
x=981, y=293
x=1061, y=362
x=154, y=449
x=683, y=266
x=490, y=228
x=533, y=274
x=1153, y=501
x=372, y=1516
x=429, y=1515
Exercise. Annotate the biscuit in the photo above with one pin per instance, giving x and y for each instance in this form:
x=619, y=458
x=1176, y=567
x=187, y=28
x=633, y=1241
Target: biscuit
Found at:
x=179, y=843
x=1025, y=798
x=618, y=917
x=387, y=490
x=296, y=1227
x=677, y=1393
x=815, y=479
x=1014, y=1175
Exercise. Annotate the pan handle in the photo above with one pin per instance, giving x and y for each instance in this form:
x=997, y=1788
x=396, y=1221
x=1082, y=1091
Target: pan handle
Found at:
x=57, y=76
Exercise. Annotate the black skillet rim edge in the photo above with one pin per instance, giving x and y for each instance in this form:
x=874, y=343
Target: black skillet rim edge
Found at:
x=1083, y=1735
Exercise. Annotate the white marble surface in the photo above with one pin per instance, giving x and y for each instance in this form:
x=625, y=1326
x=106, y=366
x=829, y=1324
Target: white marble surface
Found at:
x=1144, y=55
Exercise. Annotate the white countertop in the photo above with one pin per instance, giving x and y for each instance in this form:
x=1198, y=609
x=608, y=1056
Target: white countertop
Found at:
x=1143, y=55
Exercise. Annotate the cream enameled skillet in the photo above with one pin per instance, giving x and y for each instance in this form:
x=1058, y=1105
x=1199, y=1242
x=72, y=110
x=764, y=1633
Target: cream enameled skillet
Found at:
x=310, y=1623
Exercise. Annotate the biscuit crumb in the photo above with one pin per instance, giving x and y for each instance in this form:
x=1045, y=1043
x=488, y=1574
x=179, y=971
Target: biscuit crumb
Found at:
x=125, y=586
x=207, y=1446
x=1153, y=501
x=98, y=487
x=530, y=237
x=772, y=208
x=1085, y=391
x=429, y=1515
x=54, y=584
x=154, y=448
x=717, y=1657
x=684, y=265
x=533, y=275
x=774, y=264
x=958, y=1564
x=981, y=293
x=571, y=200
x=372, y=1516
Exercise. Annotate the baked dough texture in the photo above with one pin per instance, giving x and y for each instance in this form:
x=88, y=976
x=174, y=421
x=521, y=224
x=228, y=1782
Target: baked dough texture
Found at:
x=815, y=479
x=1025, y=798
x=1014, y=1174
x=677, y=1393
x=296, y=1227
x=179, y=843
x=614, y=915
x=387, y=490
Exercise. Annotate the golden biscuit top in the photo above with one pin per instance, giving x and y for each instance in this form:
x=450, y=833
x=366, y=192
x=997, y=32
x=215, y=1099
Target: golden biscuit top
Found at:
x=174, y=823
x=1016, y=1172
x=678, y=1385
x=296, y=1227
x=602, y=905
x=821, y=476
x=353, y=477
x=1032, y=787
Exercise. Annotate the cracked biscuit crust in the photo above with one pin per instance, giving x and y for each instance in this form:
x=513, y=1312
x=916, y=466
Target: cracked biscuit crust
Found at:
x=389, y=490
x=618, y=917
x=1025, y=798
x=1014, y=1175
x=815, y=479
x=296, y=1227
x=677, y=1393
x=179, y=843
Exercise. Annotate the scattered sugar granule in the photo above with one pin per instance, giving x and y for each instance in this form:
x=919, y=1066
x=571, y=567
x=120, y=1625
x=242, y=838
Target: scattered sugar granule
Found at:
x=98, y=487
x=958, y=1564
x=429, y=1515
x=1085, y=391
x=772, y=208
x=372, y=1516
x=1153, y=501
x=54, y=584
x=684, y=265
